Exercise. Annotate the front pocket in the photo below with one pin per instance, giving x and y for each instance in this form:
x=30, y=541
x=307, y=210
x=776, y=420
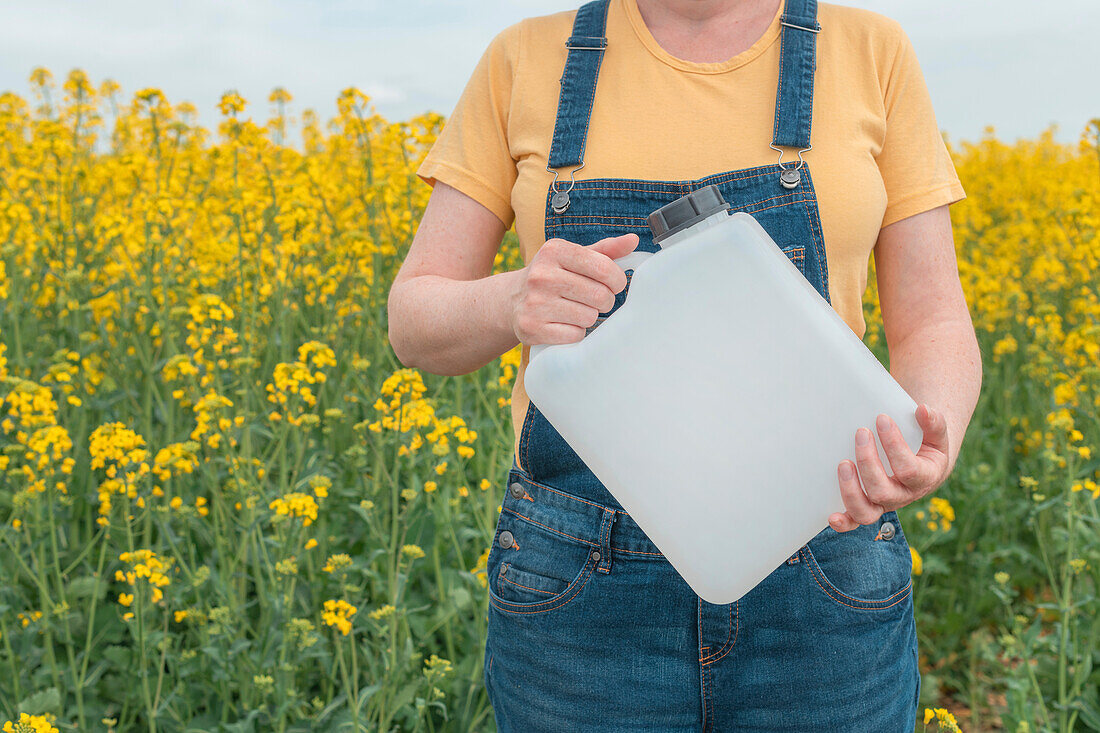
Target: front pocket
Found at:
x=797, y=255
x=539, y=570
x=521, y=586
x=856, y=570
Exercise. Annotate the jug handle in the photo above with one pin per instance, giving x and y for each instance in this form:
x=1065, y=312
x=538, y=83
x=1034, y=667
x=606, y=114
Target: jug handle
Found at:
x=627, y=262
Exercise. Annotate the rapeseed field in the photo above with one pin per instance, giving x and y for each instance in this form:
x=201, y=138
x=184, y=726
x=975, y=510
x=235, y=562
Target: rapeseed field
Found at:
x=226, y=505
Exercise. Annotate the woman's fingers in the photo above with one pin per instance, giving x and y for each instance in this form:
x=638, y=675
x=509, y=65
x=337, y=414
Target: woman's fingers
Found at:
x=881, y=489
x=860, y=509
x=585, y=291
x=592, y=261
x=912, y=471
x=934, y=425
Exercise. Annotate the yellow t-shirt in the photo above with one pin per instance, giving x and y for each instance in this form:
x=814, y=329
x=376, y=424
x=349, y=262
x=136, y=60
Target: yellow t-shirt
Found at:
x=877, y=155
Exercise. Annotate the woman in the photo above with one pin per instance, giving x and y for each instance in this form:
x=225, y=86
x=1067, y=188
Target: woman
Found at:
x=578, y=124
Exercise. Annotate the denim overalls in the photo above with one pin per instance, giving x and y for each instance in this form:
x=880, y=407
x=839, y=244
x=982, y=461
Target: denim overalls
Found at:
x=589, y=627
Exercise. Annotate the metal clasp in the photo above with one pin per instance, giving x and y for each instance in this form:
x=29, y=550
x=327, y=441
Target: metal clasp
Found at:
x=559, y=200
x=790, y=177
x=800, y=27
x=600, y=43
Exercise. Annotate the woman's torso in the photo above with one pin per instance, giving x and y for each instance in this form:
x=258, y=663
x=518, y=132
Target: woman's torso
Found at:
x=721, y=117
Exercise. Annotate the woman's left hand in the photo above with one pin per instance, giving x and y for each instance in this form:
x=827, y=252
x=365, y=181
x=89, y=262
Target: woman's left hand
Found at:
x=915, y=474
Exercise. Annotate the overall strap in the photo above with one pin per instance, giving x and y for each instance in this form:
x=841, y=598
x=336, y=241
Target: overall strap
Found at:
x=794, y=95
x=578, y=84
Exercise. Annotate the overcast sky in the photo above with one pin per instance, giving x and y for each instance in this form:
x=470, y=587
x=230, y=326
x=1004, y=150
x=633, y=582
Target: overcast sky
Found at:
x=1018, y=65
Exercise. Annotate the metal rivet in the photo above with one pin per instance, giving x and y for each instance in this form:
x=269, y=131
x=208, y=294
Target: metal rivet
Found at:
x=790, y=178
x=505, y=539
x=516, y=490
x=887, y=530
x=559, y=202
x=596, y=555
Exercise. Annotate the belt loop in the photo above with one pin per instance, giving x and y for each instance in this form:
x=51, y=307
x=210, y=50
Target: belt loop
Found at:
x=604, y=566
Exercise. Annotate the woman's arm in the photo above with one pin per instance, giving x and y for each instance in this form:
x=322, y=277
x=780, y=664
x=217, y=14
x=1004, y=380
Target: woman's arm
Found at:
x=447, y=315
x=933, y=350
x=934, y=356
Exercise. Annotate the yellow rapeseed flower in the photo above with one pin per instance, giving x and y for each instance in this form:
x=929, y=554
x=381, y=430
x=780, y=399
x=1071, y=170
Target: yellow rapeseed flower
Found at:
x=412, y=551
x=337, y=563
x=296, y=504
x=338, y=613
x=30, y=724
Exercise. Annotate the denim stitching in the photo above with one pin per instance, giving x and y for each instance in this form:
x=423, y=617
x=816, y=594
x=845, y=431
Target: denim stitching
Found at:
x=564, y=218
x=588, y=573
x=604, y=565
x=783, y=41
x=813, y=72
x=818, y=249
x=702, y=667
x=850, y=598
x=736, y=630
x=659, y=186
x=589, y=21
x=677, y=187
x=742, y=174
x=726, y=645
x=575, y=499
x=871, y=605
x=699, y=626
x=639, y=552
x=558, y=531
x=592, y=95
x=803, y=52
x=859, y=608
x=631, y=226
x=505, y=578
x=815, y=230
x=814, y=223
x=708, y=684
x=585, y=501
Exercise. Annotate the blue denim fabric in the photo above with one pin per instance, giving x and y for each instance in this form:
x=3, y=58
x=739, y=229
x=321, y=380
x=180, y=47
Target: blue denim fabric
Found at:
x=590, y=628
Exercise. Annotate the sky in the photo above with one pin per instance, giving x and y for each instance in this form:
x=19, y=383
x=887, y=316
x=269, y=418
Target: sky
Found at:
x=1017, y=65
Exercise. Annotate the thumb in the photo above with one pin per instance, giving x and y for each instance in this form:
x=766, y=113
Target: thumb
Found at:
x=934, y=426
x=616, y=247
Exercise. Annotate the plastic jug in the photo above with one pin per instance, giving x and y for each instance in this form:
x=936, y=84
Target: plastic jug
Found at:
x=717, y=401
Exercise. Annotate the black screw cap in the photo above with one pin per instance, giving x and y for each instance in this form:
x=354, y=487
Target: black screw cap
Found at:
x=685, y=211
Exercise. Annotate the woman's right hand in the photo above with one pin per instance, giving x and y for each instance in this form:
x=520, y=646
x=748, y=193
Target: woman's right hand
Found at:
x=566, y=286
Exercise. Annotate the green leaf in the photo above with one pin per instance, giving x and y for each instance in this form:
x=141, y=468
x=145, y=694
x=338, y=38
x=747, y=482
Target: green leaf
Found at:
x=46, y=701
x=86, y=587
x=120, y=656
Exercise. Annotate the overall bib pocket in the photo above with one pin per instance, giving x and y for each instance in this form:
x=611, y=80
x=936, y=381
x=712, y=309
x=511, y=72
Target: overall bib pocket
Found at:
x=857, y=571
x=797, y=255
x=534, y=569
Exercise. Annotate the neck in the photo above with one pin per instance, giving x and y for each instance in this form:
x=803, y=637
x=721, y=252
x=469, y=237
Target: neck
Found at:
x=700, y=12
x=707, y=30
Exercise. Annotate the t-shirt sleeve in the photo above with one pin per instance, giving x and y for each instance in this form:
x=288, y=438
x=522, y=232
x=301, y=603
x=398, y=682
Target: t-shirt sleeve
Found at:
x=472, y=152
x=914, y=162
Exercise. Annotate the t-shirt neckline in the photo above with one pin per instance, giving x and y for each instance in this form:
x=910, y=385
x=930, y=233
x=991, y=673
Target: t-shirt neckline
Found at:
x=713, y=67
